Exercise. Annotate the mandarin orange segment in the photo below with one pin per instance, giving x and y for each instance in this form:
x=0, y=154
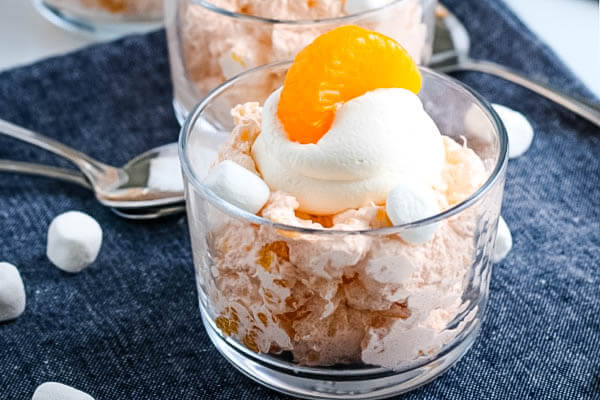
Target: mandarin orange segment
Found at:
x=336, y=67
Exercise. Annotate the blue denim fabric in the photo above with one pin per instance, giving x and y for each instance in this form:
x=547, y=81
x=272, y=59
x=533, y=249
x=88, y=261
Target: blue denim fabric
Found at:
x=129, y=326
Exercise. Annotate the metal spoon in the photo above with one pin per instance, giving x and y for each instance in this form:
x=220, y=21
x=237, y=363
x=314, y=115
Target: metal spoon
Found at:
x=125, y=187
x=67, y=175
x=451, y=53
x=145, y=214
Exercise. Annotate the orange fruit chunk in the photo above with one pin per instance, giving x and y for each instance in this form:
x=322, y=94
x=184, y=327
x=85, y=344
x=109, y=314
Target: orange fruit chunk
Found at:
x=336, y=67
x=114, y=6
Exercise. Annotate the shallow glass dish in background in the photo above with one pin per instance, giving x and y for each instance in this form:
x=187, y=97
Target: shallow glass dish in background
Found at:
x=243, y=281
x=103, y=19
x=209, y=44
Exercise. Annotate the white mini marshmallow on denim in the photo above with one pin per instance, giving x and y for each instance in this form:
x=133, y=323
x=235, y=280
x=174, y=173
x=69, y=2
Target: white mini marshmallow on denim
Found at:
x=503, y=242
x=235, y=184
x=12, y=292
x=58, y=391
x=518, y=128
x=74, y=240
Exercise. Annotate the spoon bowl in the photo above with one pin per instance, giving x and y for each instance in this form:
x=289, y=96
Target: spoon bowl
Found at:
x=149, y=213
x=151, y=179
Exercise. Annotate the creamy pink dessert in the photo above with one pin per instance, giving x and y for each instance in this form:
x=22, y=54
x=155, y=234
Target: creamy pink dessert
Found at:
x=339, y=298
x=208, y=47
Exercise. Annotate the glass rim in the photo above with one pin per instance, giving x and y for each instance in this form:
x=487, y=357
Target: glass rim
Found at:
x=344, y=18
x=236, y=212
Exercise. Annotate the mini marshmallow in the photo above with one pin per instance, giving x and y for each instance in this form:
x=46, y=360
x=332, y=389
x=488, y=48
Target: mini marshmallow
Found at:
x=12, y=292
x=518, y=128
x=235, y=184
x=231, y=64
x=408, y=203
x=58, y=391
x=74, y=240
x=358, y=6
x=165, y=174
x=503, y=242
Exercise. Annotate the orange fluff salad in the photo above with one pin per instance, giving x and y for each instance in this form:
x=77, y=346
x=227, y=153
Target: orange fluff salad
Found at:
x=345, y=144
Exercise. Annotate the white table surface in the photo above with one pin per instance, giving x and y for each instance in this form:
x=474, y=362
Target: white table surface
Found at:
x=570, y=27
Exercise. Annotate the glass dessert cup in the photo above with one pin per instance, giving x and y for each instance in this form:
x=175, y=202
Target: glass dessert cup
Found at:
x=104, y=19
x=208, y=44
x=239, y=256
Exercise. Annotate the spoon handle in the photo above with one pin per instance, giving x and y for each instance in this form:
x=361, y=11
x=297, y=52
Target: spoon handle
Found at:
x=90, y=167
x=584, y=109
x=44, y=170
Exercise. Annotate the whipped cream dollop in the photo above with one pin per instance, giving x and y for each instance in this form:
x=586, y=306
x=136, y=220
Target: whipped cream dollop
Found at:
x=377, y=140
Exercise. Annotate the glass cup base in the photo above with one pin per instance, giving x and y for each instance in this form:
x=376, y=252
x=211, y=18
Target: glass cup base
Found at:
x=92, y=28
x=316, y=383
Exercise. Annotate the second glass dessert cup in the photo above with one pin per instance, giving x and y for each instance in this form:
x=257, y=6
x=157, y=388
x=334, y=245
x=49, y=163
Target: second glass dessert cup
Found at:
x=209, y=44
x=272, y=312
x=104, y=19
